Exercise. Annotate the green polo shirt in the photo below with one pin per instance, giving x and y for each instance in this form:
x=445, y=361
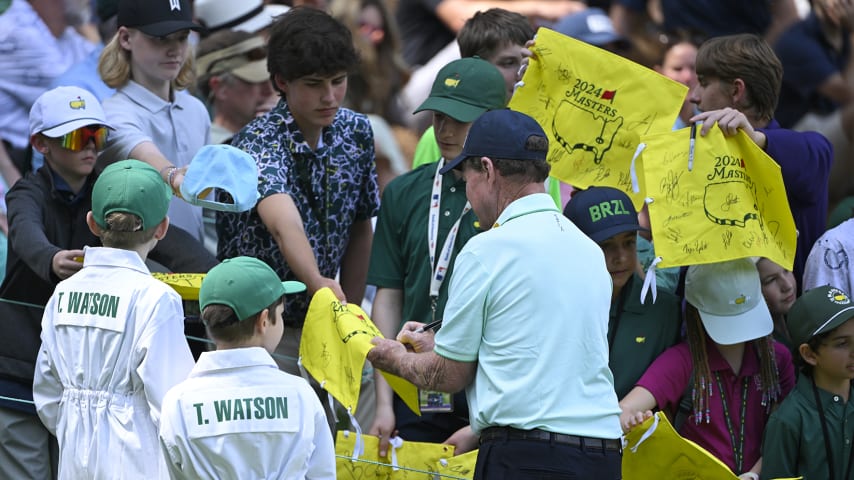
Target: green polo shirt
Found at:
x=400, y=257
x=427, y=151
x=637, y=334
x=794, y=443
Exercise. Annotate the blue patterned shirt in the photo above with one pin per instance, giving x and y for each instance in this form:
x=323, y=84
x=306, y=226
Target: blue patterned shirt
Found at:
x=332, y=187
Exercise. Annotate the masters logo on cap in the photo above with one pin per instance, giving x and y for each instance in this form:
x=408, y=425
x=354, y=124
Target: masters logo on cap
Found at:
x=728, y=296
x=817, y=311
x=63, y=110
x=465, y=88
x=130, y=186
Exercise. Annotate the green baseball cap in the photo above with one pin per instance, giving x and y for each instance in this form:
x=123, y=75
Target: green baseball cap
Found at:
x=131, y=186
x=245, y=284
x=818, y=311
x=466, y=88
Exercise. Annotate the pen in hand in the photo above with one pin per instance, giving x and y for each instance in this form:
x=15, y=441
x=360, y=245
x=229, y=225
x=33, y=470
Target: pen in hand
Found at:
x=431, y=325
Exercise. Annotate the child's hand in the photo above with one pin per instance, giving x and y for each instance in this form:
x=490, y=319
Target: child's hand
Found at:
x=464, y=440
x=66, y=263
x=629, y=420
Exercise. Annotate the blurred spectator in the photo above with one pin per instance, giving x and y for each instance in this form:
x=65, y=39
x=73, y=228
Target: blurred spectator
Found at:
x=643, y=20
x=709, y=17
x=232, y=76
x=374, y=87
x=37, y=44
x=84, y=73
x=679, y=63
x=594, y=27
x=829, y=262
x=817, y=93
x=251, y=16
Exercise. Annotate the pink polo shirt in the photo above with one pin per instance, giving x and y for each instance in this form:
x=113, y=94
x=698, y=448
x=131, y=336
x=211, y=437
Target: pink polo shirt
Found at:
x=668, y=377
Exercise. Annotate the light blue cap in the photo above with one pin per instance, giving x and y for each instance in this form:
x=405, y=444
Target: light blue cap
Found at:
x=225, y=168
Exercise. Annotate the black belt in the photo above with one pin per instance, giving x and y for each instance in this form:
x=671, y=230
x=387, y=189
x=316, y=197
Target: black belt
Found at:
x=492, y=434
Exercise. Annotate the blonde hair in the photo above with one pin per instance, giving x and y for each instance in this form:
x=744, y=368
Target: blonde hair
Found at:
x=114, y=66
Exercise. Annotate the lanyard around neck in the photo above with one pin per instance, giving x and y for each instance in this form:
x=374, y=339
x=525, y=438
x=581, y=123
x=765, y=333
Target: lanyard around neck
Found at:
x=737, y=444
x=440, y=264
x=826, y=435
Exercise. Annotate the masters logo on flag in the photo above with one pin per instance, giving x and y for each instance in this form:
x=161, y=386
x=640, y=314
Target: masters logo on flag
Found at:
x=730, y=204
x=594, y=106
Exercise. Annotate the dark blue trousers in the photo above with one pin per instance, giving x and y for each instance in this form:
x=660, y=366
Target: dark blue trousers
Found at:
x=543, y=460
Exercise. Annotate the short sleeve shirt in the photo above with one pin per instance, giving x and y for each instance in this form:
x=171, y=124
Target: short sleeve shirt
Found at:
x=794, y=443
x=668, y=377
x=400, y=257
x=332, y=187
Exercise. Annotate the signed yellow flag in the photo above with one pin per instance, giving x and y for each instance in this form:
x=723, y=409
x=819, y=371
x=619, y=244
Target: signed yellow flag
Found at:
x=731, y=203
x=405, y=459
x=460, y=466
x=654, y=449
x=594, y=106
x=335, y=341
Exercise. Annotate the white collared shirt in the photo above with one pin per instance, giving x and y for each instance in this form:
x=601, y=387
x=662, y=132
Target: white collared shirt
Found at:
x=112, y=345
x=239, y=416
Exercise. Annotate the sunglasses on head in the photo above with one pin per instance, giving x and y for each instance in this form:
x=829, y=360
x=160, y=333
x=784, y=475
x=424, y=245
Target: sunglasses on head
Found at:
x=78, y=139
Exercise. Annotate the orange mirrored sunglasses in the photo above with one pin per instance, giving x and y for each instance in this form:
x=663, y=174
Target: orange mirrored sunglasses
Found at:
x=78, y=139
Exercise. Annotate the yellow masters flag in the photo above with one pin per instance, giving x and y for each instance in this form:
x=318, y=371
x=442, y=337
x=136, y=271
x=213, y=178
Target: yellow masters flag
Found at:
x=594, y=106
x=335, y=340
x=458, y=467
x=186, y=284
x=405, y=459
x=731, y=203
x=654, y=449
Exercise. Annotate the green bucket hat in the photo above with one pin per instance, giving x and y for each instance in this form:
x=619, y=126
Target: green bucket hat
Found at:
x=818, y=311
x=466, y=88
x=130, y=186
x=245, y=284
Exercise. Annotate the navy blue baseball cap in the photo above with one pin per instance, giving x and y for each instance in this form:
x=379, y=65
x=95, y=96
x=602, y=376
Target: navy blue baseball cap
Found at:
x=602, y=212
x=500, y=134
